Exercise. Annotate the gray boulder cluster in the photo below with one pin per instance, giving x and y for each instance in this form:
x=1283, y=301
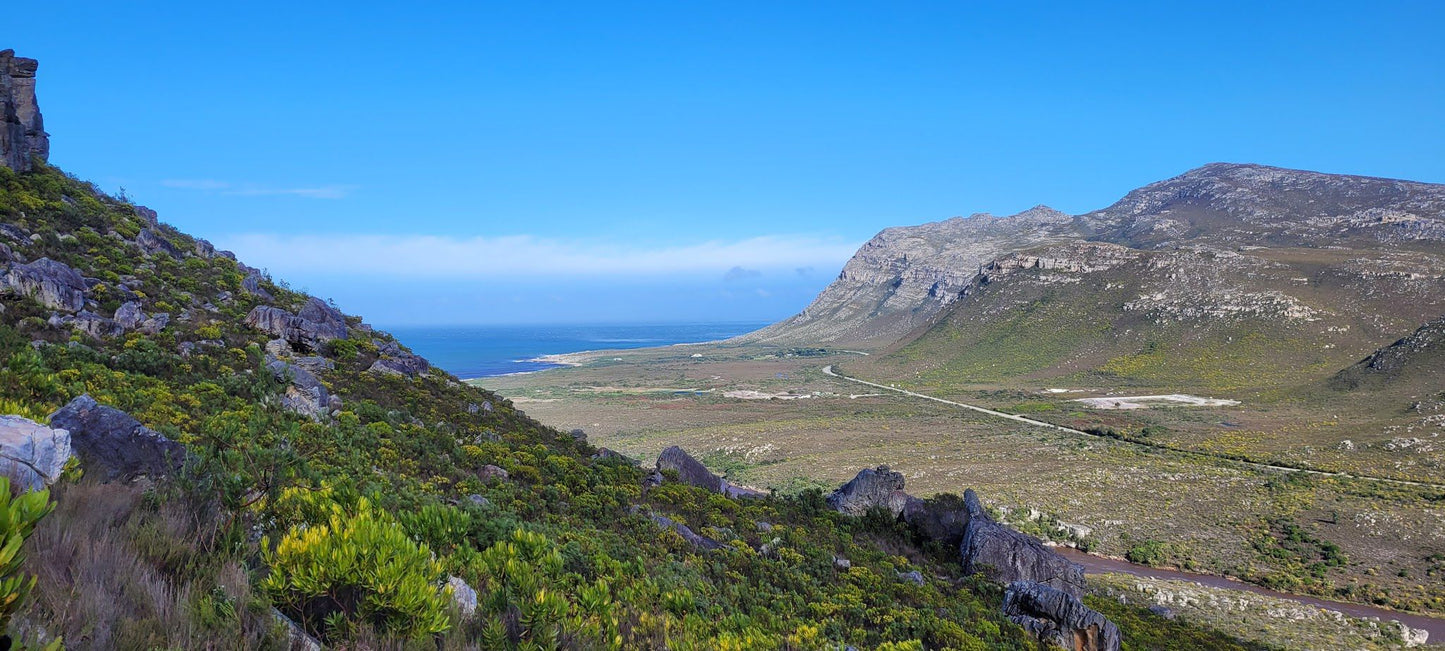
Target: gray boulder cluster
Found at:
x=110, y=444
x=22, y=129
x=315, y=324
x=1045, y=589
x=60, y=287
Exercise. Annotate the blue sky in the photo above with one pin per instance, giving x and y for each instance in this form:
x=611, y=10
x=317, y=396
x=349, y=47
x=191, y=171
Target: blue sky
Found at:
x=474, y=162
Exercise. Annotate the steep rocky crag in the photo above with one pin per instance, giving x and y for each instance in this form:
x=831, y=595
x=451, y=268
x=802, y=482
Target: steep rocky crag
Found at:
x=22, y=130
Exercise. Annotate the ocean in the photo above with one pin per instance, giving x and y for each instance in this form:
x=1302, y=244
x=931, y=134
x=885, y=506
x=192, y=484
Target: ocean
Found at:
x=483, y=351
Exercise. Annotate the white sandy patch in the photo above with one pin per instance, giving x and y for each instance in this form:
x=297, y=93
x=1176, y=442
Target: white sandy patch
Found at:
x=748, y=394
x=1139, y=402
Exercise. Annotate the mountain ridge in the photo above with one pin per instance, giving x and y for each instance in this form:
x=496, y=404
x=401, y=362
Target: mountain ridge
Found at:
x=905, y=276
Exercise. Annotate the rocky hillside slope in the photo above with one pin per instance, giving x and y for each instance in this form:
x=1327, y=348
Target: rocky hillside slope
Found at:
x=1229, y=216
x=237, y=465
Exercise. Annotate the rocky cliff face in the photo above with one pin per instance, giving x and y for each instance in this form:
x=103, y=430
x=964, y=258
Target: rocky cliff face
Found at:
x=904, y=276
x=22, y=131
x=1215, y=215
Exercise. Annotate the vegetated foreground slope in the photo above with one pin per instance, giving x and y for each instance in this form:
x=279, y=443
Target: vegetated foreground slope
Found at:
x=337, y=477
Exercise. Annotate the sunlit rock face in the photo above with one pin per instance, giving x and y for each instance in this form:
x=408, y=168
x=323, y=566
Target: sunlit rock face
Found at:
x=22, y=131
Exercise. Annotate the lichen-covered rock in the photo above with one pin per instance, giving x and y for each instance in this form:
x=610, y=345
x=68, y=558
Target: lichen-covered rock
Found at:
x=22, y=129
x=54, y=284
x=464, y=597
x=873, y=487
x=114, y=446
x=1005, y=556
x=152, y=242
x=95, y=325
x=155, y=323
x=32, y=455
x=316, y=324
x=1058, y=618
x=129, y=315
x=406, y=365
x=305, y=394
x=490, y=472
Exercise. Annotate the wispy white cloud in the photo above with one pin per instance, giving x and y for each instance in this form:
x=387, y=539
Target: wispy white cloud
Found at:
x=739, y=273
x=528, y=256
x=196, y=184
x=333, y=191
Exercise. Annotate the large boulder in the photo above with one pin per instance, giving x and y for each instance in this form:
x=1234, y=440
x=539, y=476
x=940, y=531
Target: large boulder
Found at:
x=114, y=446
x=396, y=360
x=406, y=365
x=1005, y=556
x=31, y=455
x=54, y=284
x=305, y=394
x=691, y=471
x=1058, y=618
x=873, y=487
x=129, y=315
x=95, y=325
x=316, y=324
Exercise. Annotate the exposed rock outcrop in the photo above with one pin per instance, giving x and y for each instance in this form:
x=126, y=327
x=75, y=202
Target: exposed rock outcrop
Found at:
x=316, y=324
x=464, y=596
x=1421, y=353
x=691, y=471
x=703, y=543
x=152, y=242
x=397, y=361
x=1059, y=618
x=94, y=325
x=22, y=129
x=872, y=487
x=904, y=276
x=31, y=455
x=129, y=315
x=54, y=284
x=114, y=446
x=1005, y=556
x=305, y=394
x=251, y=284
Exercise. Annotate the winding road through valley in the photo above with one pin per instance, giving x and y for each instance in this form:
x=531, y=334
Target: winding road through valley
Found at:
x=828, y=370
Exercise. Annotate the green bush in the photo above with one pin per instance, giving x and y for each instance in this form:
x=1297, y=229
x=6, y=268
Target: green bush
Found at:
x=18, y=517
x=358, y=566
